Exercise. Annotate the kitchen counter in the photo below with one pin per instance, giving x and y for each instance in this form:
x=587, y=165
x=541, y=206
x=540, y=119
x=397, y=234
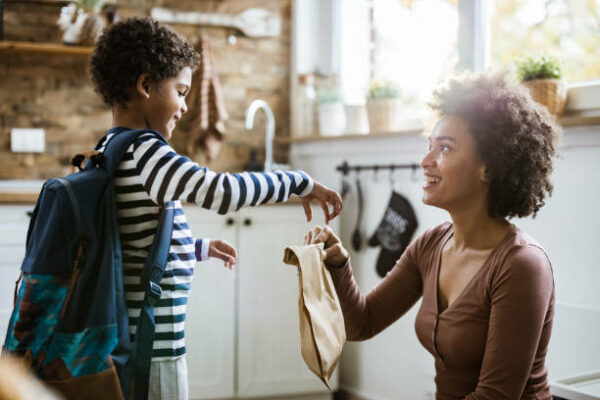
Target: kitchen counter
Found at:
x=27, y=192
x=20, y=191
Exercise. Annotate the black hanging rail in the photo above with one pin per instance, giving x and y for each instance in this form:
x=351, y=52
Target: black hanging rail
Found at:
x=345, y=168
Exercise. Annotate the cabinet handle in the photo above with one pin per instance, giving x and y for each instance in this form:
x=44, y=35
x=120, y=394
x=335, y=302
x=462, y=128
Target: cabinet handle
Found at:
x=230, y=221
x=247, y=222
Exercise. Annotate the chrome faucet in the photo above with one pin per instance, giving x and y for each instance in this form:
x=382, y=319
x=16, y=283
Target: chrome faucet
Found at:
x=270, y=129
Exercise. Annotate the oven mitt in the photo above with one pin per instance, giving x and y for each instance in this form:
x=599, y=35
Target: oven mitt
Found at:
x=394, y=232
x=322, y=330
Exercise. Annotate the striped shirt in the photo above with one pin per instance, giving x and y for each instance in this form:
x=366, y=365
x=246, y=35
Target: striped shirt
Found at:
x=152, y=173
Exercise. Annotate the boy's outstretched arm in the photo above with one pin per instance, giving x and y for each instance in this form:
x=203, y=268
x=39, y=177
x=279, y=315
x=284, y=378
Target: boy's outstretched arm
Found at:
x=168, y=176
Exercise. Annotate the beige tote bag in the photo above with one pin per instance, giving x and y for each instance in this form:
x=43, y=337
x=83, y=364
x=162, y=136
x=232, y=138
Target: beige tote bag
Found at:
x=322, y=331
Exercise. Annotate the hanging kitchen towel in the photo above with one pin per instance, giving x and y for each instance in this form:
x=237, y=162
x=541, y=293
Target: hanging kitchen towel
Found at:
x=394, y=232
x=206, y=115
x=322, y=331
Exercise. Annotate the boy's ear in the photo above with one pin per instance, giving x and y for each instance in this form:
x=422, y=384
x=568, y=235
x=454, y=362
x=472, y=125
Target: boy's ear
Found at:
x=142, y=86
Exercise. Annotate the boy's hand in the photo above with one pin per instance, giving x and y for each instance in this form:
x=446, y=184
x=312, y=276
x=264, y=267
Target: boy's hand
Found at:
x=335, y=254
x=324, y=196
x=223, y=251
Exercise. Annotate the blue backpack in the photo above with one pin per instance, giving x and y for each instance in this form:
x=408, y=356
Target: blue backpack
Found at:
x=70, y=320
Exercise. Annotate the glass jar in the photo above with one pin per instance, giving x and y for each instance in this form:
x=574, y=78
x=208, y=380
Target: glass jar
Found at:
x=307, y=98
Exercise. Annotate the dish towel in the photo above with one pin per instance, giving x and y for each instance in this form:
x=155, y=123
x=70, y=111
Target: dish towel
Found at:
x=322, y=330
x=206, y=115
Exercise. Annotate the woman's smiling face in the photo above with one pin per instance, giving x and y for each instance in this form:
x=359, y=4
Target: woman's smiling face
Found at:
x=454, y=172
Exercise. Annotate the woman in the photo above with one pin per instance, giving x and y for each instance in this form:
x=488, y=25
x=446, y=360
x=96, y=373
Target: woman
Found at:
x=487, y=287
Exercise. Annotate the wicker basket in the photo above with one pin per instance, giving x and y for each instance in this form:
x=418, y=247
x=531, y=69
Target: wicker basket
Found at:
x=384, y=114
x=551, y=93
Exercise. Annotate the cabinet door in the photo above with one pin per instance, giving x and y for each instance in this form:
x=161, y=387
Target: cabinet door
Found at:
x=270, y=361
x=13, y=234
x=210, y=319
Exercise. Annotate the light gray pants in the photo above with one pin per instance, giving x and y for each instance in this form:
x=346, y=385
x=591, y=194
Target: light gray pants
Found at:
x=168, y=380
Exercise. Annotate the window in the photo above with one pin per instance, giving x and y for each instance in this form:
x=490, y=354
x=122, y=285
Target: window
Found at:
x=566, y=29
x=412, y=45
x=415, y=44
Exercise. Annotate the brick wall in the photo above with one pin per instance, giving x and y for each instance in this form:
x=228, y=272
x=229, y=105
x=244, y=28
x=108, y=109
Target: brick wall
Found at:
x=54, y=91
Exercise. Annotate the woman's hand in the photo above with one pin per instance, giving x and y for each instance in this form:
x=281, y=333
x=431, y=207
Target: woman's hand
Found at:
x=335, y=254
x=223, y=251
x=324, y=196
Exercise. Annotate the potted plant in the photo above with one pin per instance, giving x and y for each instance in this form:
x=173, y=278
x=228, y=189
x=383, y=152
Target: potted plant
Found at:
x=332, y=118
x=383, y=107
x=543, y=77
x=81, y=22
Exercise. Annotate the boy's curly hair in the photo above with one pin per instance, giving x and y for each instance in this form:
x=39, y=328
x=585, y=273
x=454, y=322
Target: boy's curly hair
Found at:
x=132, y=47
x=515, y=136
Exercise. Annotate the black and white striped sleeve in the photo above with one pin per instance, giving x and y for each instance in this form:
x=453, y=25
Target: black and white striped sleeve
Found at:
x=168, y=176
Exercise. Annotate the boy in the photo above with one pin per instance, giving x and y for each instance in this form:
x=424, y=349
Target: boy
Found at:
x=143, y=70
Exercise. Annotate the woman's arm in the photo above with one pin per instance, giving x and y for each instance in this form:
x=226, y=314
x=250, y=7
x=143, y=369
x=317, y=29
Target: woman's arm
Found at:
x=366, y=316
x=168, y=176
x=520, y=300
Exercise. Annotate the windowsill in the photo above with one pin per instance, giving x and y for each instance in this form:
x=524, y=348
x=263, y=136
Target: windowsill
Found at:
x=565, y=121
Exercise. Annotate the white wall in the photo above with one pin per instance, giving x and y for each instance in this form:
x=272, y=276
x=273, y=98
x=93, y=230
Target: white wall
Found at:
x=394, y=365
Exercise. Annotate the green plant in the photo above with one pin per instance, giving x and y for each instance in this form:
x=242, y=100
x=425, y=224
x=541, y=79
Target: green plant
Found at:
x=544, y=67
x=382, y=90
x=328, y=96
x=89, y=5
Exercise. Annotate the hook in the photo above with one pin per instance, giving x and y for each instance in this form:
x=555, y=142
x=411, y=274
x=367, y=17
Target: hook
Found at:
x=392, y=179
x=414, y=172
x=376, y=173
x=345, y=168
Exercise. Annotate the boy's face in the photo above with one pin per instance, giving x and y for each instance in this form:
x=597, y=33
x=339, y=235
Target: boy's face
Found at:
x=166, y=103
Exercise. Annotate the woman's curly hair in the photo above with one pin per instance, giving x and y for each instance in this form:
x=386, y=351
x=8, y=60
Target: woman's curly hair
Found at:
x=515, y=137
x=132, y=47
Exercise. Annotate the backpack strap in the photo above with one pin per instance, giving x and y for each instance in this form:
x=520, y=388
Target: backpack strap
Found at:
x=117, y=146
x=152, y=273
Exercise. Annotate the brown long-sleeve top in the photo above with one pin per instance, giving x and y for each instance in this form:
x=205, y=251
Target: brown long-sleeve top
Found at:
x=491, y=341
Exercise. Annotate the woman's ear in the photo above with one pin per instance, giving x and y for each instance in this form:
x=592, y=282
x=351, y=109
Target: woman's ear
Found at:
x=484, y=174
x=142, y=86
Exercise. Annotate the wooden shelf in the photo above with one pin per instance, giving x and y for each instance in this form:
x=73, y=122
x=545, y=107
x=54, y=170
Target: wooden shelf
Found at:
x=579, y=121
x=383, y=135
x=565, y=121
x=43, y=48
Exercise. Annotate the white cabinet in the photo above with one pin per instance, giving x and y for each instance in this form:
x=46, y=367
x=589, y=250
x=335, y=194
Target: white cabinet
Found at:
x=242, y=333
x=210, y=316
x=250, y=315
x=13, y=234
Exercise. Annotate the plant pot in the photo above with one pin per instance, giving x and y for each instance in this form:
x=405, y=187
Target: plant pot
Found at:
x=385, y=114
x=551, y=93
x=332, y=119
x=357, y=121
x=80, y=28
